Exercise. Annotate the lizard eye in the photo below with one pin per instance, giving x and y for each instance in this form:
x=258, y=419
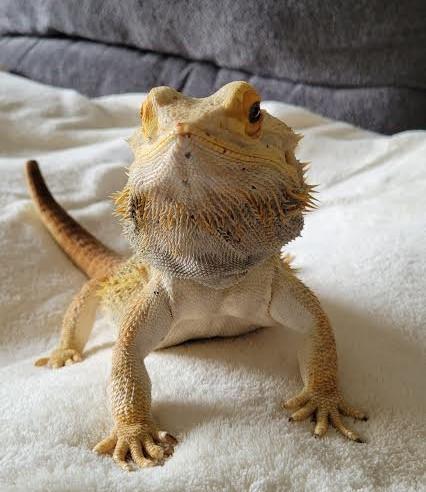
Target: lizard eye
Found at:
x=254, y=112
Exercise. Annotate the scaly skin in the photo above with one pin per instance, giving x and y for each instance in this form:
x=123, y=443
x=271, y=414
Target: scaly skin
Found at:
x=214, y=192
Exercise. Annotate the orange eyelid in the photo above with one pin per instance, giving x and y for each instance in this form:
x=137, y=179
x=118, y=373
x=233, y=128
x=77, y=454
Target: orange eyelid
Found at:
x=149, y=120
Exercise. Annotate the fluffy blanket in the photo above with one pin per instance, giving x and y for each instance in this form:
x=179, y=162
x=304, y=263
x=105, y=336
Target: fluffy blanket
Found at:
x=362, y=252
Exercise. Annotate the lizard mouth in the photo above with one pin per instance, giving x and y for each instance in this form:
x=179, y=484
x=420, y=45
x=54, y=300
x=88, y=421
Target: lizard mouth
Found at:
x=216, y=145
x=190, y=168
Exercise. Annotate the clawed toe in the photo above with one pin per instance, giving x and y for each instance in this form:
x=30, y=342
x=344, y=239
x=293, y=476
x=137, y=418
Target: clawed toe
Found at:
x=41, y=362
x=145, y=449
x=324, y=410
x=304, y=412
x=167, y=442
x=297, y=401
x=321, y=423
x=106, y=446
x=59, y=358
x=349, y=411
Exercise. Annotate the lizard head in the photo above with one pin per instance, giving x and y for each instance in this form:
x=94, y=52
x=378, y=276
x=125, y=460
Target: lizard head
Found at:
x=215, y=186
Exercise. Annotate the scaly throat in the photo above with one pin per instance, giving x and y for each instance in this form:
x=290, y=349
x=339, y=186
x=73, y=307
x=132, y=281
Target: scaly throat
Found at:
x=196, y=213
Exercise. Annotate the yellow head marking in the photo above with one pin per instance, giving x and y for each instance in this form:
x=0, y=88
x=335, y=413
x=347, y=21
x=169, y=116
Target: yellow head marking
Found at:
x=158, y=100
x=149, y=118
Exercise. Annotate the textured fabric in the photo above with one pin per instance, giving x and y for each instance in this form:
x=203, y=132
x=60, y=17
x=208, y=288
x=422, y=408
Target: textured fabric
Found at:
x=96, y=69
x=331, y=43
x=360, y=62
x=362, y=252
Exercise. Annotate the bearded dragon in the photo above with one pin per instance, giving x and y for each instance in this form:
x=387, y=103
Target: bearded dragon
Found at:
x=213, y=193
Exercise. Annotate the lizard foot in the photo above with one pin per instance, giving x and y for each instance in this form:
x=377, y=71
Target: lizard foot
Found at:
x=59, y=357
x=325, y=407
x=145, y=447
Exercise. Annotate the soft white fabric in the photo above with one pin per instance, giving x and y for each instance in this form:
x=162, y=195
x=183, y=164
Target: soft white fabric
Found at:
x=362, y=252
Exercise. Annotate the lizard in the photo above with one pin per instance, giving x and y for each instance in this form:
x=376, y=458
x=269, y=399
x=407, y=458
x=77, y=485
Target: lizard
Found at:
x=213, y=194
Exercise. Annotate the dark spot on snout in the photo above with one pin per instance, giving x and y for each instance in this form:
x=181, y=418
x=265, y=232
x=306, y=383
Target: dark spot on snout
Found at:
x=188, y=155
x=253, y=187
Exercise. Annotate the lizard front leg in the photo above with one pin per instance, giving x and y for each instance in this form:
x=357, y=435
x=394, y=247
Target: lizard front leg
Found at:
x=76, y=327
x=295, y=305
x=145, y=324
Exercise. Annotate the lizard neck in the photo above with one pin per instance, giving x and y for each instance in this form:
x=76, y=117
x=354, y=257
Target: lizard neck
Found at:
x=208, y=275
x=216, y=258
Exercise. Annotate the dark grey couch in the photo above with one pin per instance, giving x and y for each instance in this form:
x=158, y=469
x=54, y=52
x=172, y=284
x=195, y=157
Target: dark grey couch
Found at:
x=362, y=62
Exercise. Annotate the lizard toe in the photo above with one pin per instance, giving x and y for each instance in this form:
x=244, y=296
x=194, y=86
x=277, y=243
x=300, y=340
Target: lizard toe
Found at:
x=107, y=445
x=59, y=358
x=327, y=407
x=155, y=451
x=138, y=456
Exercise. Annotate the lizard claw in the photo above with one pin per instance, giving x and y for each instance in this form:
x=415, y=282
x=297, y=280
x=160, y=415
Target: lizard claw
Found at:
x=166, y=441
x=145, y=447
x=326, y=407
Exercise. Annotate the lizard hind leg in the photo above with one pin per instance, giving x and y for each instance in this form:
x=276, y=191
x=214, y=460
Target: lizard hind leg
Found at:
x=76, y=327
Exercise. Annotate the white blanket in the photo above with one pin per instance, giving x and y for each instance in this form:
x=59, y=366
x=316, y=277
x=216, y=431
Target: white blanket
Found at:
x=362, y=252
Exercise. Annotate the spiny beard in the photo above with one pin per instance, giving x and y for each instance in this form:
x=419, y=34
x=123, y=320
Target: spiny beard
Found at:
x=211, y=244
x=210, y=218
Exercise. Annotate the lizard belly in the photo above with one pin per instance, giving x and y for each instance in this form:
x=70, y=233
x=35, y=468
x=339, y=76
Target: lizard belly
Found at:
x=204, y=312
x=219, y=326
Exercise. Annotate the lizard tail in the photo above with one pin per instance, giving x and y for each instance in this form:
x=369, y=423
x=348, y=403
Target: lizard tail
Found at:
x=84, y=250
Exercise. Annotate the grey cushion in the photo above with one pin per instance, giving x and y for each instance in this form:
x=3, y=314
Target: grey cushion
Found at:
x=360, y=61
